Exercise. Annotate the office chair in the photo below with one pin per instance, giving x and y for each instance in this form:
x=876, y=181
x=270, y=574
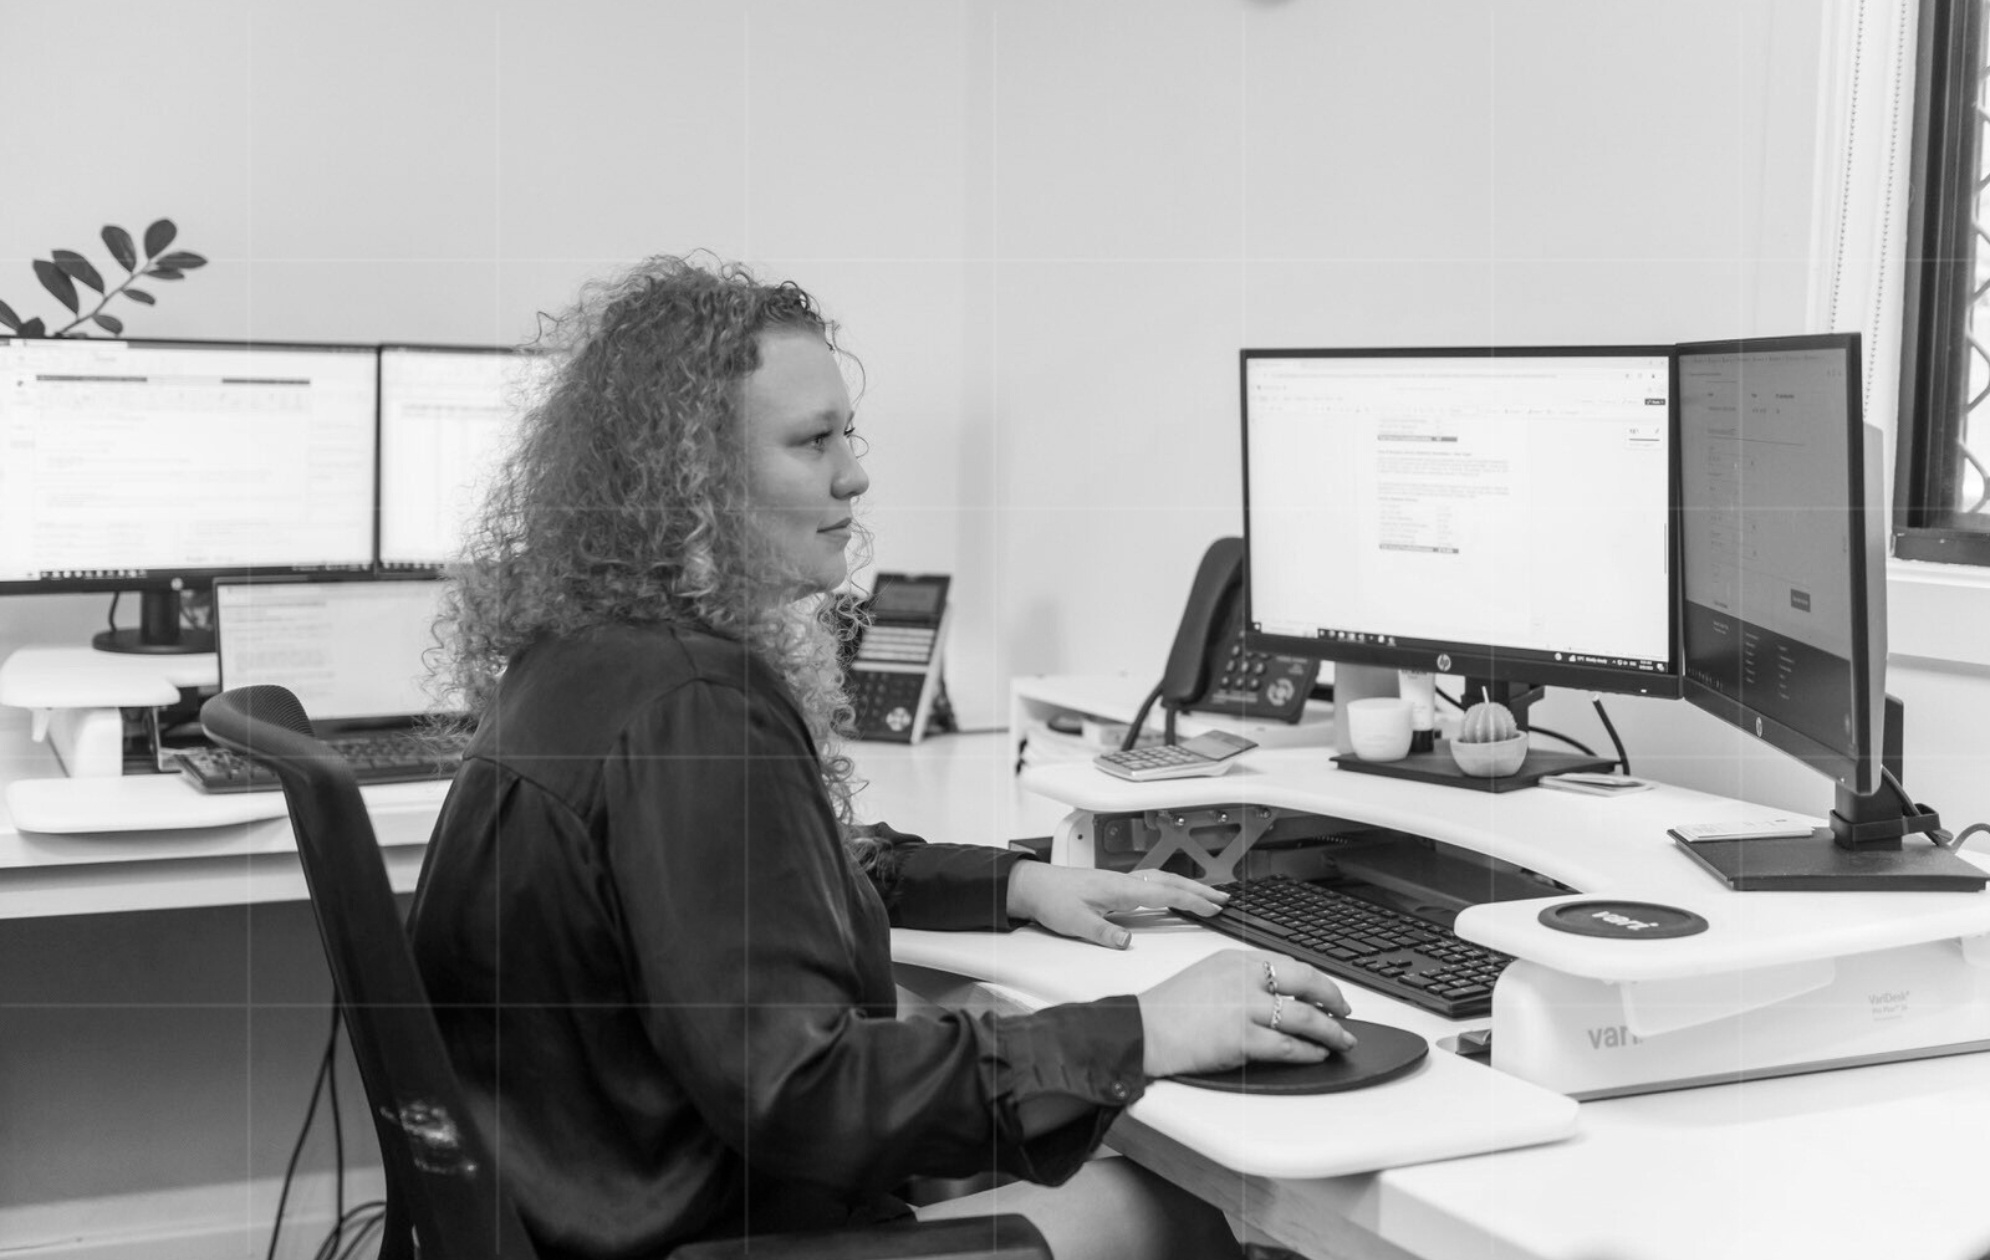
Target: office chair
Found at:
x=444, y=1188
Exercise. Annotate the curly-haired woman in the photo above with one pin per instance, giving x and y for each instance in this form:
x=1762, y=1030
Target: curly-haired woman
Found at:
x=656, y=939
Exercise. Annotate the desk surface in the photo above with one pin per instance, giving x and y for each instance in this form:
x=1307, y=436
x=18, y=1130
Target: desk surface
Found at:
x=1808, y=1165
x=957, y=787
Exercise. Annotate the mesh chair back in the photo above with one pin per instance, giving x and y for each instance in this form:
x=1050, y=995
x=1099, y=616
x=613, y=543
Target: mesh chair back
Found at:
x=441, y=1178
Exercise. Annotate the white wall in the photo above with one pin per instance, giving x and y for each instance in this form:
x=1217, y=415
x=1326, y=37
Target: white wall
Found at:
x=1047, y=226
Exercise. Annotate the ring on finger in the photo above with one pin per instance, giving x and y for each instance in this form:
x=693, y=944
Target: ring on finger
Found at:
x=1270, y=978
x=1277, y=1010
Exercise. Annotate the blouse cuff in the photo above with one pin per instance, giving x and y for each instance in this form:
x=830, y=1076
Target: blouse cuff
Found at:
x=952, y=887
x=1091, y=1051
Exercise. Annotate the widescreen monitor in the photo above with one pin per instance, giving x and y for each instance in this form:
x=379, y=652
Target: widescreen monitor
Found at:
x=1783, y=600
x=1499, y=514
x=448, y=415
x=160, y=465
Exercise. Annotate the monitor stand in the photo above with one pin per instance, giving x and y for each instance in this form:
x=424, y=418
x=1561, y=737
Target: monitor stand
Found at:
x=1865, y=849
x=1438, y=766
x=159, y=631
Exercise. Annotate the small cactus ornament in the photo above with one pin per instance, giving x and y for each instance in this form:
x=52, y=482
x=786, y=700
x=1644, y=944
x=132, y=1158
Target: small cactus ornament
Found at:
x=1487, y=722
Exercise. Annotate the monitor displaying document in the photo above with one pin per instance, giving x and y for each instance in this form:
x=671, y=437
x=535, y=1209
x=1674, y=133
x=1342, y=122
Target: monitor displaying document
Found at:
x=1498, y=513
x=447, y=417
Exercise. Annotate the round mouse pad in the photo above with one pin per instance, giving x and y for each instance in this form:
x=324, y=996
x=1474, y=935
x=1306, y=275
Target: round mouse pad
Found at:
x=1623, y=920
x=1380, y=1053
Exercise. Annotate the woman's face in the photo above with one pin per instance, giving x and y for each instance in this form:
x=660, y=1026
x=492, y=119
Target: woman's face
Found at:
x=802, y=478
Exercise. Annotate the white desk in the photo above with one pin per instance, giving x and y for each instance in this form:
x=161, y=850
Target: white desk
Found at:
x=1810, y=1165
x=1814, y=1165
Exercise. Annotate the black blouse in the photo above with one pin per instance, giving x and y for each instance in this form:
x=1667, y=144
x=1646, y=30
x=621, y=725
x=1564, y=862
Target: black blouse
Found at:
x=669, y=992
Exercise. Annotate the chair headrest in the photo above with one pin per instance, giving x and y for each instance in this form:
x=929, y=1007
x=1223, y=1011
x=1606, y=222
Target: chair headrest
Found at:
x=264, y=705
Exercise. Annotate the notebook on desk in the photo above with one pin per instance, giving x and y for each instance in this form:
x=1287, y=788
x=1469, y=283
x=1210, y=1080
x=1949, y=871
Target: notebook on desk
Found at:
x=352, y=653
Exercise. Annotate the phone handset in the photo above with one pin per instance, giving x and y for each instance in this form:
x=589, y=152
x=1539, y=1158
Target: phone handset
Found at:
x=1210, y=667
x=1219, y=581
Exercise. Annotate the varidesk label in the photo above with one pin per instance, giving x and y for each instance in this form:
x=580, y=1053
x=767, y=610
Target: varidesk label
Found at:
x=1613, y=1037
x=1623, y=920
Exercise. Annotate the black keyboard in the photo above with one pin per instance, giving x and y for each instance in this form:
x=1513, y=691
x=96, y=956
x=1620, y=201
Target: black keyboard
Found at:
x=399, y=756
x=1386, y=950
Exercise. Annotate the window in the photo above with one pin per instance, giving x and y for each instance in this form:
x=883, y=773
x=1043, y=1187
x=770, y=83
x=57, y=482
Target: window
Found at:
x=1941, y=493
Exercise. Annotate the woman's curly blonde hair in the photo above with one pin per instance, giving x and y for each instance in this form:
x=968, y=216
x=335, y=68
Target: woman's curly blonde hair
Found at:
x=624, y=500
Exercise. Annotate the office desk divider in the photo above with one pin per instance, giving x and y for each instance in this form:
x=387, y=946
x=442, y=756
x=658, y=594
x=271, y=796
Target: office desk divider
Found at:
x=1779, y=983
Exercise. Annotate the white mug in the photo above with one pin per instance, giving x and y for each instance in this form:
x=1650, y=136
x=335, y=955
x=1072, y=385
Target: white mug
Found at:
x=1379, y=728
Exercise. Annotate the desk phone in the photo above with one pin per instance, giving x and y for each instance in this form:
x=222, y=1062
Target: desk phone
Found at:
x=1213, y=669
x=893, y=675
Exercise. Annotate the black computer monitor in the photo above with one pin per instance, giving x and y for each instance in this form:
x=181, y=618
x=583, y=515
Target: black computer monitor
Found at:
x=447, y=417
x=157, y=466
x=1502, y=514
x=1783, y=602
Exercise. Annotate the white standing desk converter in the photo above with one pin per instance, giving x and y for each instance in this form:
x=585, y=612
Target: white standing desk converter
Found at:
x=1778, y=982
x=1812, y=1164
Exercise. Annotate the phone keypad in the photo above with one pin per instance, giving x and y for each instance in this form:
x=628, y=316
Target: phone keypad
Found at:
x=1263, y=684
x=887, y=702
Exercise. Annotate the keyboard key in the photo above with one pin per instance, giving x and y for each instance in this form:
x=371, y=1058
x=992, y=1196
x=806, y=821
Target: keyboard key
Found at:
x=1382, y=949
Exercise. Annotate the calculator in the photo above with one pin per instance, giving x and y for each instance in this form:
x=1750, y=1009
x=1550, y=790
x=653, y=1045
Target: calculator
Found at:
x=1213, y=752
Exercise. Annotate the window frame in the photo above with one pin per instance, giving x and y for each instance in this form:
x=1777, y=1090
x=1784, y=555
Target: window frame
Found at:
x=1940, y=267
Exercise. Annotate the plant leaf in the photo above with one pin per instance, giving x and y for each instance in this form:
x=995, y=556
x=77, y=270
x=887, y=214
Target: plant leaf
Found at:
x=8, y=318
x=118, y=241
x=140, y=295
x=158, y=236
x=53, y=279
x=164, y=273
x=33, y=328
x=79, y=268
x=110, y=324
x=180, y=260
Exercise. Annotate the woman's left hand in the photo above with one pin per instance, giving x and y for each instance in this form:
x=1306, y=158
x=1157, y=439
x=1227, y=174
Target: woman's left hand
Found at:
x=1075, y=900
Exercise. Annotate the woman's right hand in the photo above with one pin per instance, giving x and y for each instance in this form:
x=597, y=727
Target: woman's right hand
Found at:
x=1219, y=1012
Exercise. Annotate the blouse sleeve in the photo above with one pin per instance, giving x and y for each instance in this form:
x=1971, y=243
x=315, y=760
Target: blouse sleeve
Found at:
x=751, y=967
x=943, y=887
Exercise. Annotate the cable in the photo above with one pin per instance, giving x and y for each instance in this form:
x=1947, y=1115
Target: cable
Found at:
x=111, y=620
x=1140, y=719
x=1969, y=831
x=362, y=1221
x=375, y=1222
x=1550, y=733
x=1576, y=744
x=1623, y=758
x=297, y=1148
